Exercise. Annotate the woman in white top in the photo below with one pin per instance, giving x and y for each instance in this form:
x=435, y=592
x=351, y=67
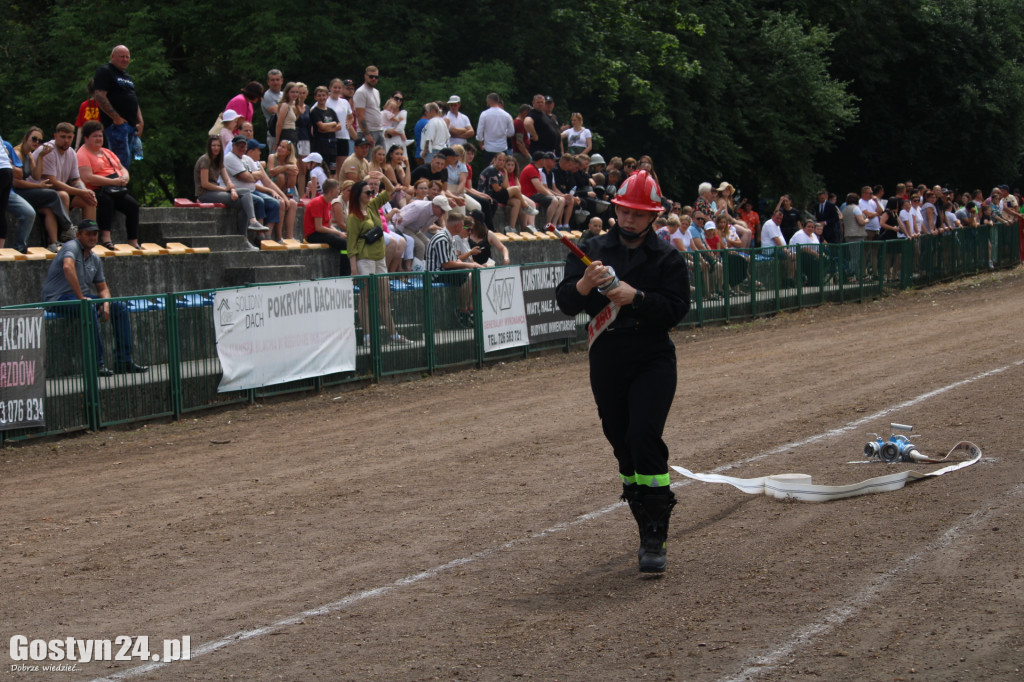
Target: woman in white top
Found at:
x=579, y=138
x=908, y=220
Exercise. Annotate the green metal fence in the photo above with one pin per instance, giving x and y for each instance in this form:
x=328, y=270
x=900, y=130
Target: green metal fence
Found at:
x=410, y=323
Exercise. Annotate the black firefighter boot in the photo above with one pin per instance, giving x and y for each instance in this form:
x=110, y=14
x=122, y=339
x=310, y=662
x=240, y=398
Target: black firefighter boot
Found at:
x=631, y=496
x=655, y=508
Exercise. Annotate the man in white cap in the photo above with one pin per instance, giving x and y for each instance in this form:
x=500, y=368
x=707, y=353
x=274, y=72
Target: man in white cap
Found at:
x=458, y=123
x=413, y=221
x=243, y=180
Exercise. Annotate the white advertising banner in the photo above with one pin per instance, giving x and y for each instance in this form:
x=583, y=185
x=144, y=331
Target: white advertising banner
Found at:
x=285, y=332
x=504, y=313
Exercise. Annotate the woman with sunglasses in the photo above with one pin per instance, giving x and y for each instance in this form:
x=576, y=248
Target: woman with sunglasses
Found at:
x=31, y=186
x=367, y=247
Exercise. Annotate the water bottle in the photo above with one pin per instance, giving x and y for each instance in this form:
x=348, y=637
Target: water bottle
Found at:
x=137, y=148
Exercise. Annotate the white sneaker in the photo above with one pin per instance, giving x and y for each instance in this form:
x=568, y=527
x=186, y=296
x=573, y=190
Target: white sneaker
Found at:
x=532, y=229
x=256, y=227
x=530, y=210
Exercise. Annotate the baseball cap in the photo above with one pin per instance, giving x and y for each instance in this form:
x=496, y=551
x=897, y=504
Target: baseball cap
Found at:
x=254, y=144
x=347, y=82
x=441, y=201
x=239, y=139
x=88, y=226
x=229, y=115
x=454, y=99
x=313, y=158
x=362, y=139
x=448, y=151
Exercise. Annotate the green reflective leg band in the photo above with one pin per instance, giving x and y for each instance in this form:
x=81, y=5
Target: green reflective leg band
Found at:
x=627, y=480
x=656, y=481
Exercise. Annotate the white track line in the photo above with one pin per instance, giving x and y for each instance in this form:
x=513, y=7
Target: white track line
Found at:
x=761, y=665
x=345, y=602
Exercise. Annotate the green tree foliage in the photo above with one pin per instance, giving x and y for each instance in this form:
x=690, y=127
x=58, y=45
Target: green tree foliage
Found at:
x=773, y=97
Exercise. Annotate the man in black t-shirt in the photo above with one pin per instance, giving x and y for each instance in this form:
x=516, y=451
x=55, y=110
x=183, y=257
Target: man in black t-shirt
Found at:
x=543, y=129
x=120, y=113
x=437, y=169
x=791, y=223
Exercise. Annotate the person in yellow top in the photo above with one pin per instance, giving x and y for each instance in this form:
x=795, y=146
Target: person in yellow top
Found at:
x=366, y=245
x=364, y=229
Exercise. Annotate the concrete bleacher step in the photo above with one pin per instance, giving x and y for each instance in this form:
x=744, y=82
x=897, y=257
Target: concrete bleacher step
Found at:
x=214, y=242
x=162, y=232
x=262, y=274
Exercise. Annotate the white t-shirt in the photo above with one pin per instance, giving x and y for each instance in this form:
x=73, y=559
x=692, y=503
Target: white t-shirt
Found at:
x=800, y=238
x=459, y=120
x=235, y=165
x=343, y=110
x=951, y=219
x=908, y=218
x=769, y=231
x=435, y=135
x=368, y=99
x=869, y=205
x=682, y=236
x=321, y=178
x=577, y=138
x=919, y=217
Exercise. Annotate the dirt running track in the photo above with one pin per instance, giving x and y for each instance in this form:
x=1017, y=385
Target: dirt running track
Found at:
x=466, y=526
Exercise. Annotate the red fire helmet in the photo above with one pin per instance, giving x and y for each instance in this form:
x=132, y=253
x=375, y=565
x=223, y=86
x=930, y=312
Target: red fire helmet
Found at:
x=641, y=192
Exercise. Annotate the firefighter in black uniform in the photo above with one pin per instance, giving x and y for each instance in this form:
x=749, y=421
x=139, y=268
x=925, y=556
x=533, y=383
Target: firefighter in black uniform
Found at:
x=633, y=361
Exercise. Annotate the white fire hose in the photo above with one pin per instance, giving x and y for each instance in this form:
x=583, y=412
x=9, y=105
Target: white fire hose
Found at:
x=800, y=487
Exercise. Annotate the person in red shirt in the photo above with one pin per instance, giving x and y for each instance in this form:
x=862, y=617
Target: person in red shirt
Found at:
x=88, y=110
x=316, y=224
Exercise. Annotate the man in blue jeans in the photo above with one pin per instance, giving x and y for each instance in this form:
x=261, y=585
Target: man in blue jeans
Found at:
x=76, y=274
x=120, y=112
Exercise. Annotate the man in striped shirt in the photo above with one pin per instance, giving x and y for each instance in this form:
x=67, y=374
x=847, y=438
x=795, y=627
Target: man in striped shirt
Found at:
x=441, y=255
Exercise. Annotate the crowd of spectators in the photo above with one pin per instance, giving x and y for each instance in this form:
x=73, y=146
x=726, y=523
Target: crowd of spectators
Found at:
x=535, y=171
